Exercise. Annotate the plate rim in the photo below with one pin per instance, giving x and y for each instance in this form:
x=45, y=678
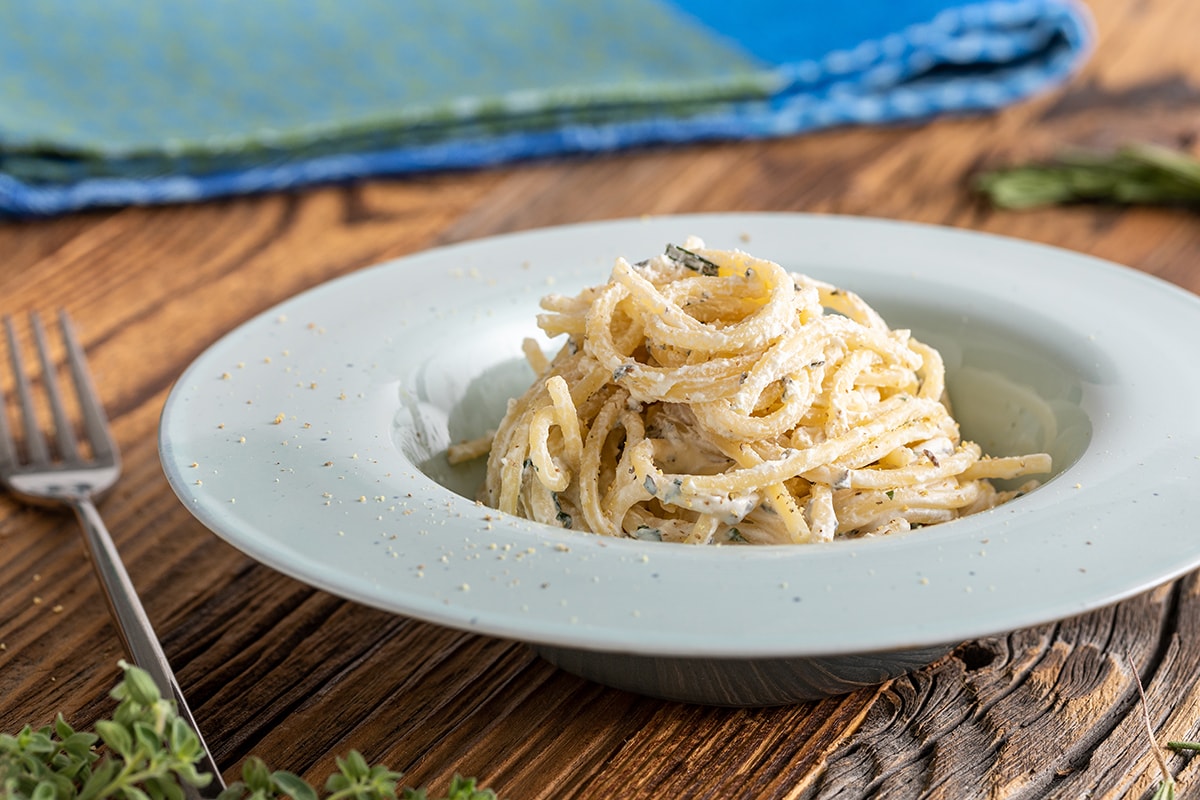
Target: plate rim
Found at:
x=588, y=638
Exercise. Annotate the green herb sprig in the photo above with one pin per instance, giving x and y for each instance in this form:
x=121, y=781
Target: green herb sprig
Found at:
x=1166, y=785
x=147, y=752
x=1144, y=174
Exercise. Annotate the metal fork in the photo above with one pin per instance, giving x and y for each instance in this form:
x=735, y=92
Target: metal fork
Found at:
x=73, y=478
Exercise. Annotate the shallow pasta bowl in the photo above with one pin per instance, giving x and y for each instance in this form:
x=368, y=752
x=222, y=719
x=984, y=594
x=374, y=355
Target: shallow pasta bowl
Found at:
x=313, y=438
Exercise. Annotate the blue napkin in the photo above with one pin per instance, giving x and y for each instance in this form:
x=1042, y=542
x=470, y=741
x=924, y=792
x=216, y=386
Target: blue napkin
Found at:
x=140, y=101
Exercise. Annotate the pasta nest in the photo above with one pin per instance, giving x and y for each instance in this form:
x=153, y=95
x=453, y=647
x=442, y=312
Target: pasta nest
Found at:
x=710, y=397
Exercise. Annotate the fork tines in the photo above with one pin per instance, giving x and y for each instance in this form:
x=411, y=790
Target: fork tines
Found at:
x=37, y=452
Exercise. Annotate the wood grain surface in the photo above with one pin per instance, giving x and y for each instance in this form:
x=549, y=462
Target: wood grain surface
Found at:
x=297, y=676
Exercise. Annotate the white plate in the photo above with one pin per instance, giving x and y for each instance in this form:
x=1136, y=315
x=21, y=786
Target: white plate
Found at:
x=310, y=438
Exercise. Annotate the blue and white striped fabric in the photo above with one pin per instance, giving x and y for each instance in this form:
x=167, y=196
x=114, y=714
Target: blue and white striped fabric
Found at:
x=137, y=101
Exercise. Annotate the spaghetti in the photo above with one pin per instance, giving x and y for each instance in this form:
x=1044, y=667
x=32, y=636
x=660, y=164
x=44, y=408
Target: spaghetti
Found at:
x=710, y=397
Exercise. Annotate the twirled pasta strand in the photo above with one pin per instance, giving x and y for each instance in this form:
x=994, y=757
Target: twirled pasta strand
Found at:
x=710, y=397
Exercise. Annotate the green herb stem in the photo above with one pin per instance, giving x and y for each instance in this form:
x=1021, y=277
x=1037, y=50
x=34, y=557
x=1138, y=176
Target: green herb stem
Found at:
x=1142, y=174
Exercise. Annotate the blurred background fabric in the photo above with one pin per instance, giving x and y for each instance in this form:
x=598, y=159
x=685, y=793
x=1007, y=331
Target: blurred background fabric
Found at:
x=139, y=101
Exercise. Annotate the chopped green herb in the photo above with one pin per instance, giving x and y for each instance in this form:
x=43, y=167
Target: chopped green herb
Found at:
x=621, y=372
x=673, y=491
x=563, y=517
x=692, y=261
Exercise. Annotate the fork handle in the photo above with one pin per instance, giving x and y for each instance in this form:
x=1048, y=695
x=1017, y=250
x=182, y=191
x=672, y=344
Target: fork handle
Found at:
x=134, y=626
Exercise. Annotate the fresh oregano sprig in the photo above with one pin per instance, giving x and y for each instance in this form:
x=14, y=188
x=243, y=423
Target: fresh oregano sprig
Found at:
x=1137, y=174
x=147, y=752
x=354, y=779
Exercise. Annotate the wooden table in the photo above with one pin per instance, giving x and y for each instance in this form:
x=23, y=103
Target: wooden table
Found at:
x=297, y=676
